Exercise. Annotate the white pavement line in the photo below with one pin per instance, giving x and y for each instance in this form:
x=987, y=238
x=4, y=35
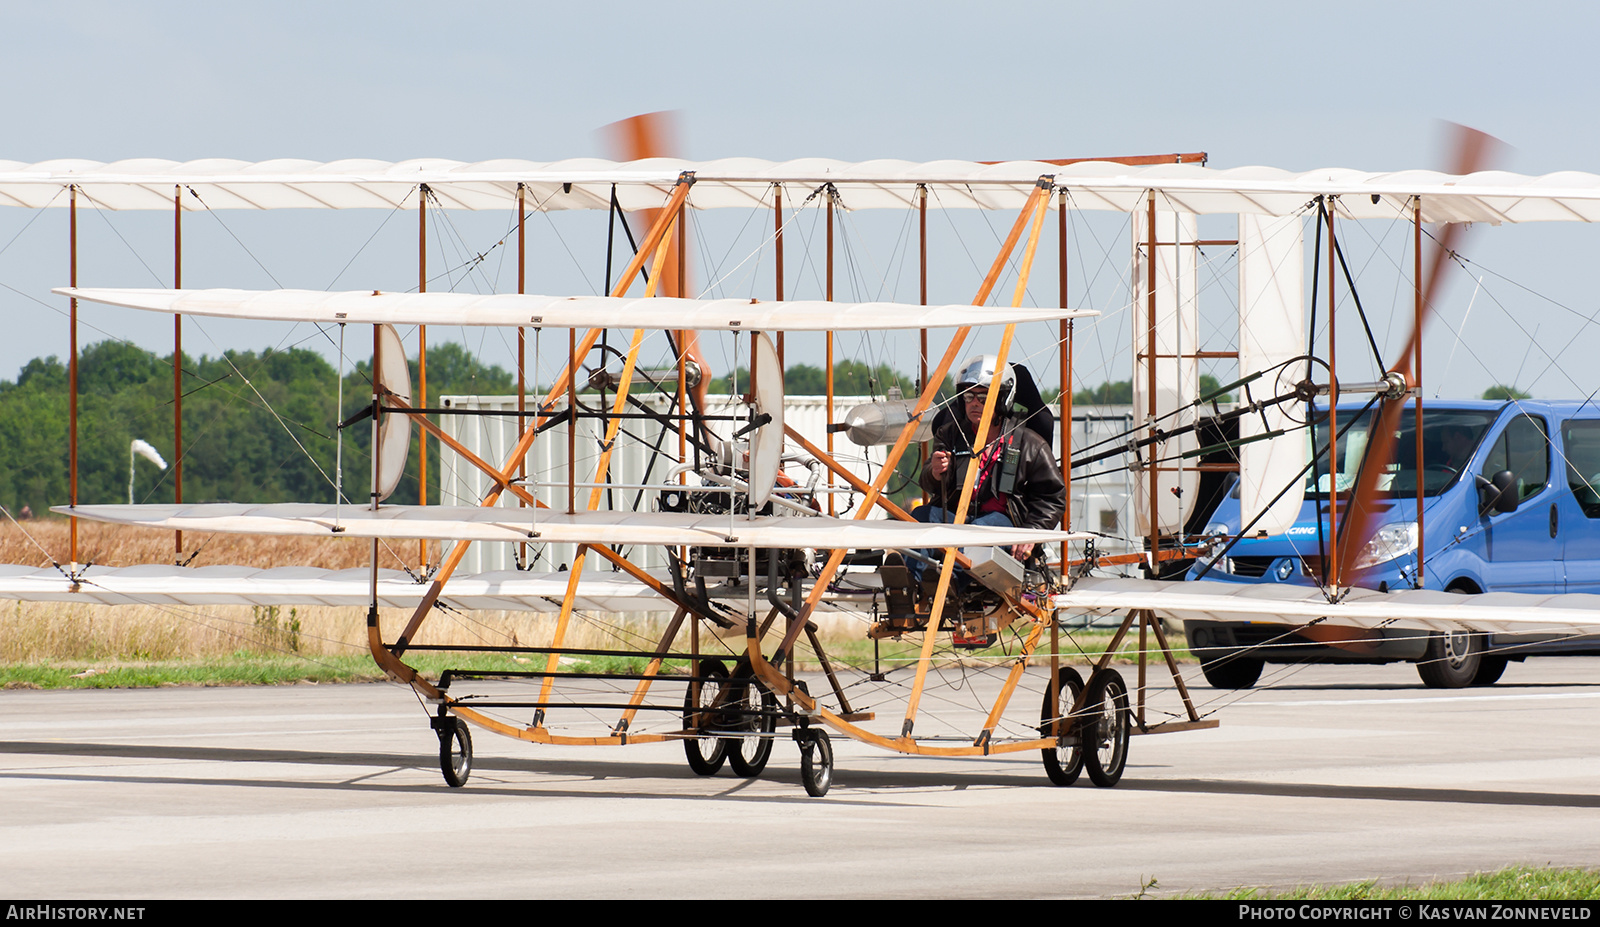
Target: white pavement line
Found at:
x=1420, y=700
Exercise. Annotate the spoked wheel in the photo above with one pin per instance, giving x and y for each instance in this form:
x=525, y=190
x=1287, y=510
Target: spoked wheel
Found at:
x=753, y=710
x=455, y=751
x=1104, y=727
x=1061, y=763
x=705, y=753
x=816, y=762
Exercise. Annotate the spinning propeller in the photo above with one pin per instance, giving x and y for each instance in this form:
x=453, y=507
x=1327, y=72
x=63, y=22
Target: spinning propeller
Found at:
x=1473, y=151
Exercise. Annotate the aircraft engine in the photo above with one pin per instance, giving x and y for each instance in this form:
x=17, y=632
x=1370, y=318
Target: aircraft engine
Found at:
x=873, y=423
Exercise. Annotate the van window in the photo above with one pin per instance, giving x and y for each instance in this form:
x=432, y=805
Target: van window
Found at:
x=1582, y=441
x=1524, y=449
x=1449, y=437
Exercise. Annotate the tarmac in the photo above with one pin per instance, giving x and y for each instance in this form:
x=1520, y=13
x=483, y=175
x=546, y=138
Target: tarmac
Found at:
x=1325, y=774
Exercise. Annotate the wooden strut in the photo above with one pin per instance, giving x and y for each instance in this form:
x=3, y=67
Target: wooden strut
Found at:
x=761, y=667
x=72, y=367
x=422, y=366
x=177, y=367
x=1147, y=619
x=522, y=344
x=388, y=660
x=769, y=675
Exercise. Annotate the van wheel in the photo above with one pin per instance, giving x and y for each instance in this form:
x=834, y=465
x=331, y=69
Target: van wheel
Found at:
x=1451, y=661
x=1232, y=672
x=1489, y=670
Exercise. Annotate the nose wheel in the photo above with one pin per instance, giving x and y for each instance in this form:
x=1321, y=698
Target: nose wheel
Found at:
x=455, y=750
x=816, y=761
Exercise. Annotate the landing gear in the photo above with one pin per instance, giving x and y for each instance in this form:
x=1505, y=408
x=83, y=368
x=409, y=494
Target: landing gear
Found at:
x=455, y=750
x=1104, y=728
x=705, y=753
x=1062, y=763
x=816, y=761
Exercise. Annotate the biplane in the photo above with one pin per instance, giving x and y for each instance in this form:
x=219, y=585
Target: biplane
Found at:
x=755, y=555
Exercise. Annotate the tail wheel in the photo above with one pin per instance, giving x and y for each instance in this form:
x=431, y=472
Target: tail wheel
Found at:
x=816, y=763
x=705, y=753
x=1061, y=763
x=455, y=751
x=754, y=711
x=1104, y=728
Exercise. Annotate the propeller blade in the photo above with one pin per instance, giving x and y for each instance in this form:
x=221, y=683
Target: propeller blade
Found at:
x=653, y=135
x=1473, y=150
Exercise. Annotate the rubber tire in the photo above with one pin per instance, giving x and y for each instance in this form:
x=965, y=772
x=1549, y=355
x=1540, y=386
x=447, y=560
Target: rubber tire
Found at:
x=1232, y=672
x=455, y=752
x=1061, y=764
x=1451, y=661
x=1105, y=729
x=705, y=753
x=1489, y=670
x=816, y=764
x=748, y=756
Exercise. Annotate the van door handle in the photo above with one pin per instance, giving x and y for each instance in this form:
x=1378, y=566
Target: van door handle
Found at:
x=1553, y=519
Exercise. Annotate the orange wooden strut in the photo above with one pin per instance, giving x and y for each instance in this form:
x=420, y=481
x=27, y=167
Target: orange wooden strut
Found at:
x=390, y=662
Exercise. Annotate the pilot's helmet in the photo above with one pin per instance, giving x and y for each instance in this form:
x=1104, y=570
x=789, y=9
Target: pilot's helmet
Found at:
x=979, y=370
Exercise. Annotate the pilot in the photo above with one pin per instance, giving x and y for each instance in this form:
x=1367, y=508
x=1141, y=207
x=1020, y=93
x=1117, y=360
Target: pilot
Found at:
x=1018, y=483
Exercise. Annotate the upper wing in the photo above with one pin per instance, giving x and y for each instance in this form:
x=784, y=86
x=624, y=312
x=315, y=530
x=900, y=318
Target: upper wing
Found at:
x=510, y=309
x=147, y=183
x=474, y=523
x=1360, y=608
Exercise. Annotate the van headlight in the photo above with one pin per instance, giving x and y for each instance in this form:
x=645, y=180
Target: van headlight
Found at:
x=1390, y=542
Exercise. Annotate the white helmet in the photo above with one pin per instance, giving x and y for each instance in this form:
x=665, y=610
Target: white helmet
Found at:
x=979, y=370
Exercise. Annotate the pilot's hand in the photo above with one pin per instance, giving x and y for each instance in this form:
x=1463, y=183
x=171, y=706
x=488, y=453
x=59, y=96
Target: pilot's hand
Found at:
x=939, y=465
x=1022, y=552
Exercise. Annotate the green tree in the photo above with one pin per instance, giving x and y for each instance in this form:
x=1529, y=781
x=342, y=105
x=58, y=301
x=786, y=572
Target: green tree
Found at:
x=257, y=427
x=1120, y=392
x=1106, y=394
x=1501, y=392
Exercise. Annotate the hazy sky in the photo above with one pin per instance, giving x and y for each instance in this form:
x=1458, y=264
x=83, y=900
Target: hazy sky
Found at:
x=1296, y=86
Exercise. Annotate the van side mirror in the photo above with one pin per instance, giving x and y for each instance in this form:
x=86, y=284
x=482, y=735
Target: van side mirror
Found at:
x=1498, y=493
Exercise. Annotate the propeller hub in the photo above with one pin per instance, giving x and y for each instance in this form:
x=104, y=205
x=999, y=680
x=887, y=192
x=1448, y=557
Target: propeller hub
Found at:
x=1395, y=385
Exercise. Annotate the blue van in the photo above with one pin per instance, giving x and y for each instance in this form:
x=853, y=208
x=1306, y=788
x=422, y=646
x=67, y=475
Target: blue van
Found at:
x=1511, y=503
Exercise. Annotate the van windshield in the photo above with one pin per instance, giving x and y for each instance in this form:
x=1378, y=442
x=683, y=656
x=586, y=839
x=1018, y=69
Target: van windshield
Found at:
x=1449, y=438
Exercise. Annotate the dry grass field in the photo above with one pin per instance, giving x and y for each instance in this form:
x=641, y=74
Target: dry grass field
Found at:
x=52, y=636
x=39, y=632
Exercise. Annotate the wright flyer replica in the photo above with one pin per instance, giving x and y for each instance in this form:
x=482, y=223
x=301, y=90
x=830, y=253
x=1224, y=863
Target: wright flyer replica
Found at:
x=748, y=532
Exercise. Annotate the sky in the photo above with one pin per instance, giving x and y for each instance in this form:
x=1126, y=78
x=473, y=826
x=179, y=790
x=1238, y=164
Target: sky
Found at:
x=1296, y=86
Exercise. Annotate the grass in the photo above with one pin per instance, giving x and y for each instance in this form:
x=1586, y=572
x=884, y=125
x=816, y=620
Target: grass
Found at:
x=1514, y=883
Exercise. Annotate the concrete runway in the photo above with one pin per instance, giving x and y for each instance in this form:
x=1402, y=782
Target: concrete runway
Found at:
x=1333, y=774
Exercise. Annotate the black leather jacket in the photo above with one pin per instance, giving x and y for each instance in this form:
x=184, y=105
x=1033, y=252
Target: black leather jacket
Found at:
x=1037, y=499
